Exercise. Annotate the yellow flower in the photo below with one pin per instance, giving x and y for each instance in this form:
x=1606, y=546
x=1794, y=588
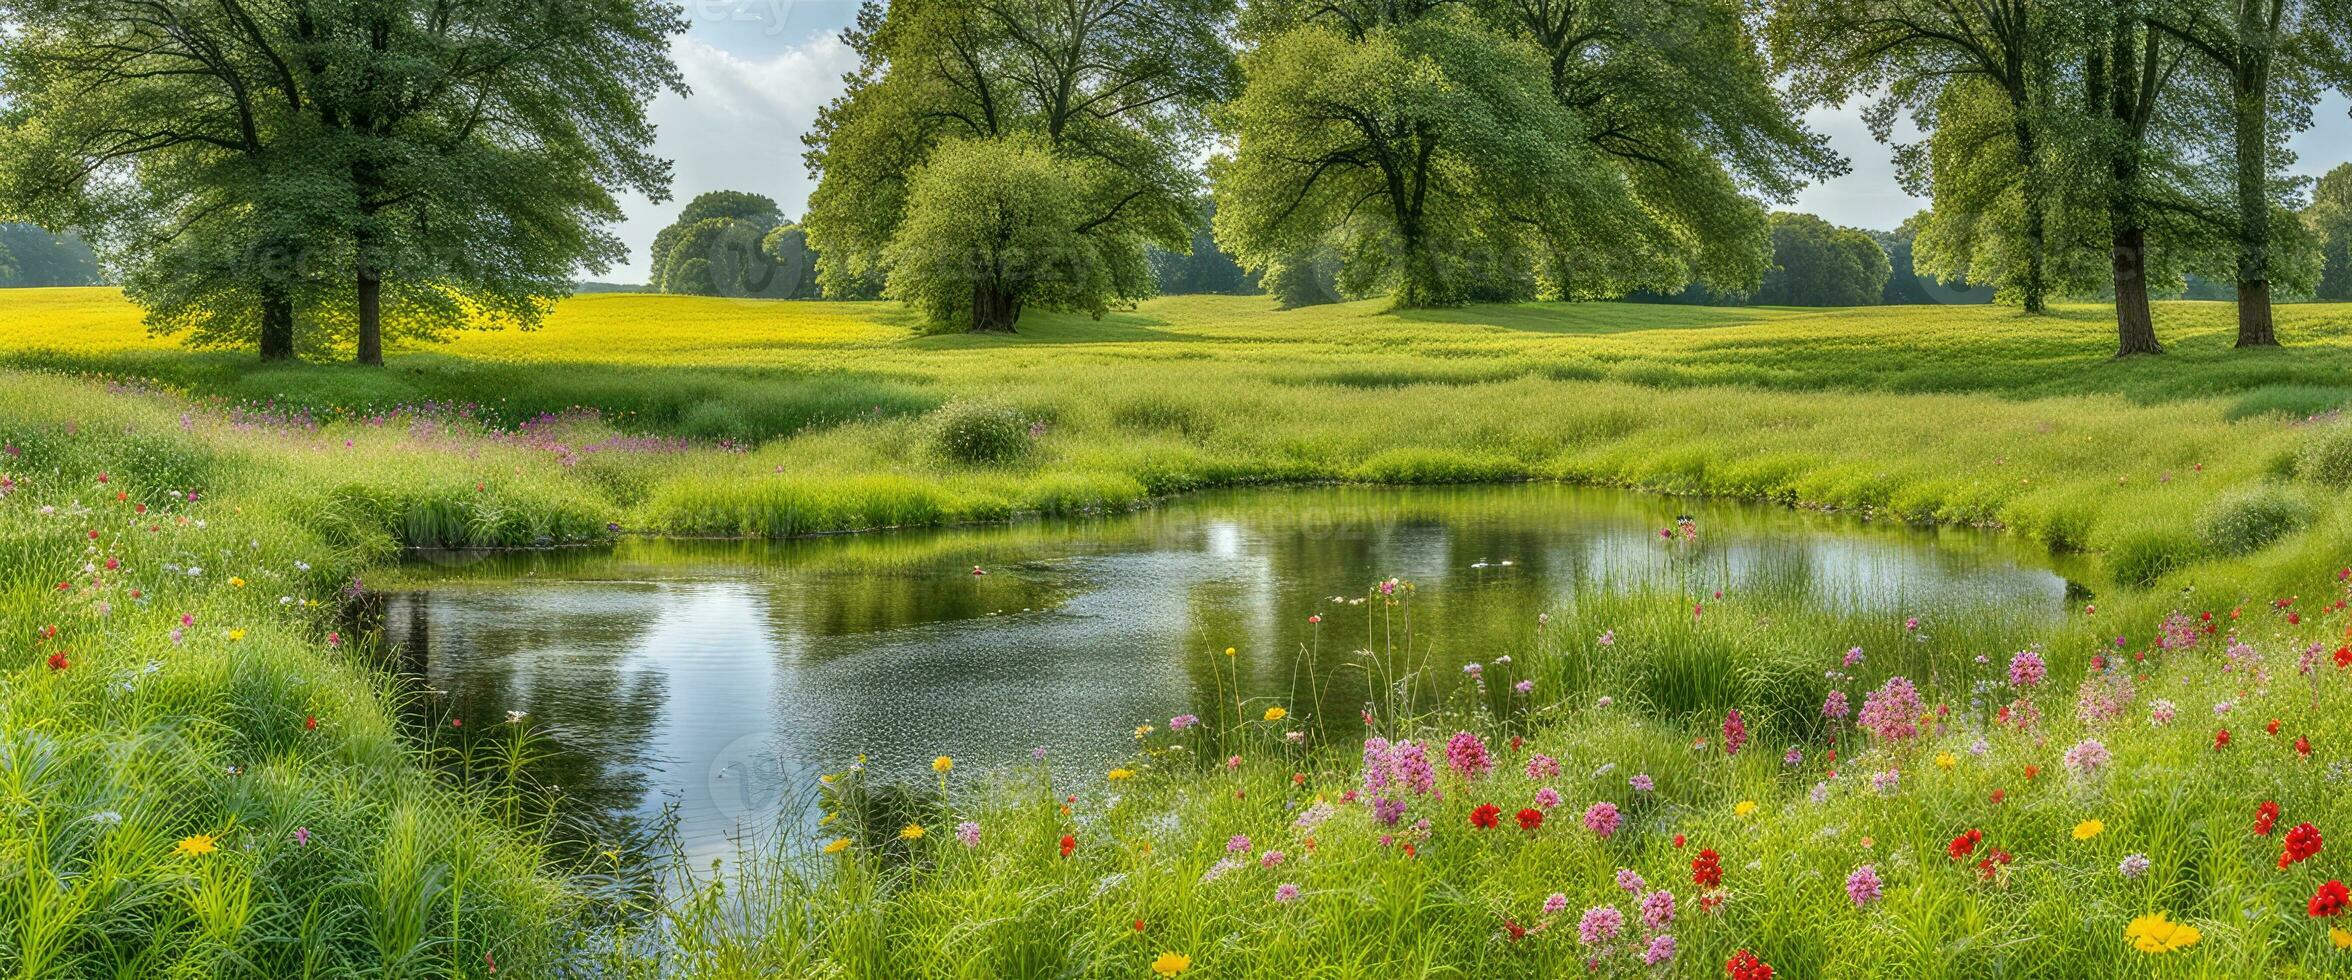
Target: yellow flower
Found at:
x=1946, y=760
x=195, y=846
x=912, y=831
x=2157, y=933
x=837, y=845
x=1118, y=774
x=942, y=764
x=1229, y=651
x=2338, y=936
x=829, y=818
x=826, y=779
x=2089, y=829
x=1276, y=713
x=1744, y=808
x=1142, y=730
x=1171, y=964
x=236, y=635
x=236, y=583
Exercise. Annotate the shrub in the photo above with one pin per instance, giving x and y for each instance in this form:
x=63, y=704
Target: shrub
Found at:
x=2139, y=556
x=979, y=434
x=2247, y=520
x=2326, y=456
x=2297, y=401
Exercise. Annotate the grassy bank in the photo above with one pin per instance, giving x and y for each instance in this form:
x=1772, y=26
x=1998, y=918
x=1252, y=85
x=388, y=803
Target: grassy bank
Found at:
x=191, y=648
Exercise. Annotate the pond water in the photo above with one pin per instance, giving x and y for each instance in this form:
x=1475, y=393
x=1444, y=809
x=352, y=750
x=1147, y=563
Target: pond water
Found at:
x=707, y=682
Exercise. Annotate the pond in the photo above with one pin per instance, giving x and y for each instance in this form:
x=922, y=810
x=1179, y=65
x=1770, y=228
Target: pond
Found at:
x=707, y=682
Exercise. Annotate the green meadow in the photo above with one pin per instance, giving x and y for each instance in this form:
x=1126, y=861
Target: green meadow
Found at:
x=205, y=774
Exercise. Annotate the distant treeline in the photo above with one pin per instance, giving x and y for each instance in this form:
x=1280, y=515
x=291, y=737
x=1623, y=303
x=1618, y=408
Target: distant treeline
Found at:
x=30, y=256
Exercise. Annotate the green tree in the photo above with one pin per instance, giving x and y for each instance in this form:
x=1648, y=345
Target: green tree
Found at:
x=1677, y=99
x=1102, y=99
x=2330, y=221
x=787, y=250
x=179, y=139
x=2266, y=91
x=756, y=210
x=45, y=259
x=480, y=146
x=1815, y=263
x=1911, y=52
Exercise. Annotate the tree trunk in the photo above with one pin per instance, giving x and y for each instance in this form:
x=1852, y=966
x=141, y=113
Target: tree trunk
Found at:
x=2253, y=165
x=1422, y=284
x=277, y=326
x=2036, y=286
x=994, y=310
x=2135, y=331
x=371, y=315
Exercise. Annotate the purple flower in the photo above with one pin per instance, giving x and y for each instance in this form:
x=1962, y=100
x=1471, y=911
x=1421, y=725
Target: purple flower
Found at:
x=1834, y=706
x=2026, y=669
x=1541, y=766
x=1631, y=881
x=1657, y=910
x=1793, y=757
x=1182, y=722
x=1660, y=950
x=1547, y=797
x=1466, y=754
x=1523, y=687
x=1735, y=732
x=1388, y=811
x=302, y=836
x=1892, y=712
x=1556, y=904
x=1601, y=818
x=1642, y=783
x=969, y=833
x=1863, y=885
x=2133, y=866
x=1853, y=656
x=2086, y=756
x=1600, y=924
x=1286, y=893
x=1238, y=844
x=1271, y=859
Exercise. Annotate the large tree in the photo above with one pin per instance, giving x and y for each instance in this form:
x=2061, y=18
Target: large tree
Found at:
x=1909, y=54
x=176, y=134
x=2330, y=220
x=1677, y=99
x=1107, y=95
x=2250, y=50
x=1815, y=263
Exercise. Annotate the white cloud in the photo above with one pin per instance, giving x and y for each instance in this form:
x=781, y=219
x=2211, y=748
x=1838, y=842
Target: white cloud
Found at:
x=739, y=130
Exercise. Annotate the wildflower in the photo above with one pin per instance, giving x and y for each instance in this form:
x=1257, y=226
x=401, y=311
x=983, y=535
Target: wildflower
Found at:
x=1863, y=885
x=1707, y=869
x=2157, y=933
x=2086, y=756
x=1466, y=754
x=1277, y=713
x=1182, y=722
x=2265, y=817
x=1744, y=965
x=1641, y=782
x=1069, y=843
x=2089, y=829
x=1119, y=774
x=1388, y=811
x=2339, y=937
x=942, y=765
x=57, y=661
x=2221, y=738
x=1524, y=687
x=1272, y=859
x=2330, y=900
x=837, y=845
x=1171, y=964
x=1735, y=732
x=236, y=635
x=2026, y=669
x=1853, y=656
x=1891, y=712
x=2302, y=842
x=236, y=583
x=2303, y=746
x=1657, y=910
x=302, y=836
x=2160, y=713
x=1660, y=950
x=1964, y=844
x=2133, y=866
x=1286, y=893
x=1487, y=817
x=1600, y=924
x=1745, y=808
x=1547, y=797
x=1530, y=818
x=196, y=845
x=912, y=831
x=1602, y=819
x=1541, y=766
x=969, y=833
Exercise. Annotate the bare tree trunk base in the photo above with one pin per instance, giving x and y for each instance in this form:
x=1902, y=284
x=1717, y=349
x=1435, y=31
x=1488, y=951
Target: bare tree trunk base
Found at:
x=2255, y=327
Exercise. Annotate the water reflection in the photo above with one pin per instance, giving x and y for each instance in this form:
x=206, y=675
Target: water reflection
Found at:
x=715, y=678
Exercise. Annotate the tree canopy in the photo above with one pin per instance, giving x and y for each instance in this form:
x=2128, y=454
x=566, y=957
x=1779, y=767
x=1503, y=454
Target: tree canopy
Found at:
x=1815, y=263
x=1101, y=99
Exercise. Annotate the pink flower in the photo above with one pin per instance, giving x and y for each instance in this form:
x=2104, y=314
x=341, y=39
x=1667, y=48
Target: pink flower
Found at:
x=1547, y=797
x=1600, y=924
x=1892, y=712
x=1556, y=904
x=1466, y=754
x=1602, y=818
x=1541, y=766
x=1735, y=732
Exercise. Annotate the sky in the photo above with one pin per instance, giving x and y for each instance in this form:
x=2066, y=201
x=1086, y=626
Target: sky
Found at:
x=760, y=69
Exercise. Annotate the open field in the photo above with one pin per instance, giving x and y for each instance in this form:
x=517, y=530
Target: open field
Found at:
x=2197, y=483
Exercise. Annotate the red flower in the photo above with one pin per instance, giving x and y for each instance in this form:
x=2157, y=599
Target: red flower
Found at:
x=1487, y=817
x=2000, y=795
x=2033, y=771
x=57, y=661
x=2329, y=900
x=2265, y=817
x=2344, y=656
x=1707, y=869
x=2221, y=738
x=1515, y=930
x=1069, y=843
x=1964, y=845
x=310, y=723
x=2303, y=746
x=1679, y=840
x=1744, y=965
x=2272, y=727
x=1993, y=863
x=1530, y=818
x=2302, y=843
x=1139, y=925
